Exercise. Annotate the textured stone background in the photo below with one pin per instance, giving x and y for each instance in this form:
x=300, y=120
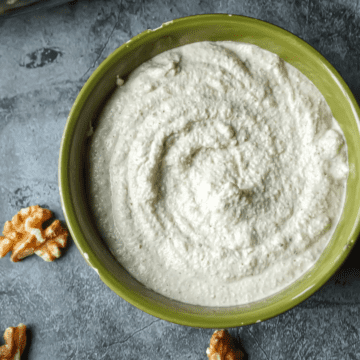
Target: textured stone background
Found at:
x=45, y=58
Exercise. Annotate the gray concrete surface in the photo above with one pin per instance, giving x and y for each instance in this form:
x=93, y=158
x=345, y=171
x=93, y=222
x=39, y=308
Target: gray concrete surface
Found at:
x=45, y=58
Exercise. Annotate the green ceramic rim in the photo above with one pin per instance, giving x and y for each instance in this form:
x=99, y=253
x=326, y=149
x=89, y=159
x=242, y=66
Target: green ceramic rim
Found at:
x=219, y=27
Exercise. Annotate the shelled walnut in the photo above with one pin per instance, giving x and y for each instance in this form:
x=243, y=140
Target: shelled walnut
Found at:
x=222, y=347
x=24, y=235
x=15, y=341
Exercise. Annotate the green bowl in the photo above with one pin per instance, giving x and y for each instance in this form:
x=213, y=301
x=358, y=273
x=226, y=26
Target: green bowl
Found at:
x=88, y=104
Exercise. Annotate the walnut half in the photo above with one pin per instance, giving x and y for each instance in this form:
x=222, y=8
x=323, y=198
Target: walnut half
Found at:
x=222, y=347
x=15, y=341
x=24, y=235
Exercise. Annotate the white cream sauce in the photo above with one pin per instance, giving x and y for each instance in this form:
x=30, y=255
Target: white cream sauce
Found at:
x=218, y=173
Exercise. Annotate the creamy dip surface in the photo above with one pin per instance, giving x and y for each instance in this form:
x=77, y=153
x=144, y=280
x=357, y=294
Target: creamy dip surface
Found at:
x=218, y=173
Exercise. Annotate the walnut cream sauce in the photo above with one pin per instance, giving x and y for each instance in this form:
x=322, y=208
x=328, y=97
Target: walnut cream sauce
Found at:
x=218, y=173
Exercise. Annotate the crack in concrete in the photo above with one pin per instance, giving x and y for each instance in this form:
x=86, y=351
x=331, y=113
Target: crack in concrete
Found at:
x=106, y=42
x=134, y=333
x=257, y=343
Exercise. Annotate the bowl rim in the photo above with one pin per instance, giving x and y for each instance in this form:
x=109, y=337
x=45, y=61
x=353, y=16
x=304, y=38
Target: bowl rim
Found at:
x=195, y=320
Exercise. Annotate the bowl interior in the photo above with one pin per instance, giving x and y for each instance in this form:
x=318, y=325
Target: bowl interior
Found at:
x=72, y=169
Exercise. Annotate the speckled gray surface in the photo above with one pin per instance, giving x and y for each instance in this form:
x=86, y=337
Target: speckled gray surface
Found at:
x=45, y=58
